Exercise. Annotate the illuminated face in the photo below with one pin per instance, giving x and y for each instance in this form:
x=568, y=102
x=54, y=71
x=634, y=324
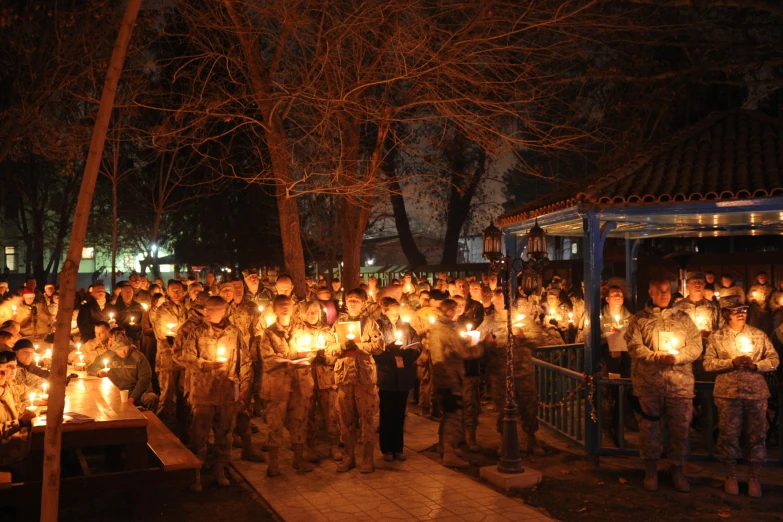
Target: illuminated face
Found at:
x=761, y=279
x=99, y=293
x=28, y=299
x=336, y=286
x=10, y=370
x=393, y=313
x=239, y=289
x=695, y=286
x=475, y=291
x=25, y=356
x=492, y=280
x=284, y=308
x=252, y=280
x=312, y=315
x=323, y=295
x=135, y=281
x=372, y=283
x=49, y=290
x=227, y=293
x=210, y=278
x=102, y=333
x=460, y=307
x=661, y=294
x=194, y=289
x=355, y=305
x=122, y=352
x=615, y=298
x=726, y=281
x=175, y=292
x=737, y=318
x=284, y=287
x=498, y=302
x=462, y=287
x=127, y=293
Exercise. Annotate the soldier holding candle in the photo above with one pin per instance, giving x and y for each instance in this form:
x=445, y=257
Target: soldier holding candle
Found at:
x=663, y=343
x=741, y=354
x=168, y=318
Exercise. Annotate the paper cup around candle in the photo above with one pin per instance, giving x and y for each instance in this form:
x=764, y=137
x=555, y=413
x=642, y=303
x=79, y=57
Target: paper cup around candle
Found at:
x=124, y=395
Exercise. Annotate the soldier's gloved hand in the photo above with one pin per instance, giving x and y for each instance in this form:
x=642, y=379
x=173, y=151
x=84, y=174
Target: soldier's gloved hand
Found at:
x=349, y=345
x=742, y=361
x=665, y=358
x=170, y=340
x=26, y=418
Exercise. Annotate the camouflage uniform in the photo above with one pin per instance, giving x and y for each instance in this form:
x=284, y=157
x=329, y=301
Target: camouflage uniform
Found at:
x=14, y=439
x=215, y=394
x=354, y=374
x=170, y=373
x=287, y=390
x=526, y=395
x=325, y=393
x=420, y=322
x=741, y=394
x=759, y=314
x=448, y=351
x=91, y=350
x=33, y=319
x=245, y=317
x=704, y=314
x=663, y=390
x=735, y=289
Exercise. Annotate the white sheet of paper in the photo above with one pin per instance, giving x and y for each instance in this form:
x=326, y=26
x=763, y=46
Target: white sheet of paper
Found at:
x=616, y=341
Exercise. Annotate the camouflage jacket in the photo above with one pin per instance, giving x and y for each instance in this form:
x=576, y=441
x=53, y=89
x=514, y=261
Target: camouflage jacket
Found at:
x=494, y=338
x=740, y=383
x=278, y=351
x=14, y=439
x=760, y=294
x=322, y=367
x=643, y=338
x=704, y=314
x=357, y=367
x=29, y=379
x=217, y=387
x=33, y=320
x=448, y=351
x=420, y=320
x=164, y=315
x=726, y=291
x=90, y=350
x=183, y=332
x=776, y=300
x=245, y=317
x=608, y=321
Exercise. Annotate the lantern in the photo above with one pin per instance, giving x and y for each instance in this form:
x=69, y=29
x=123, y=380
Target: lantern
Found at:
x=536, y=242
x=492, y=243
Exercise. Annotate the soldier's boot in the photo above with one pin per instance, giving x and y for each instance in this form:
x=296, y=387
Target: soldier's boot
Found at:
x=237, y=441
x=470, y=439
x=368, y=466
x=196, y=486
x=272, y=468
x=681, y=484
x=349, y=459
x=452, y=460
x=754, y=480
x=299, y=462
x=220, y=475
x=335, y=452
x=730, y=485
x=248, y=452
x=533, y=447
x=651, y=474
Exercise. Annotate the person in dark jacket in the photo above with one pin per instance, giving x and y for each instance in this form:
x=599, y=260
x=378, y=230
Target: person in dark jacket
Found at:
x=129, y=313
x=396, y=377
x=95, y=309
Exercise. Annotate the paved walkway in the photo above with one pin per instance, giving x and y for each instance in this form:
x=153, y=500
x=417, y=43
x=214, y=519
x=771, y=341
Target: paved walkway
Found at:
x=418, y=489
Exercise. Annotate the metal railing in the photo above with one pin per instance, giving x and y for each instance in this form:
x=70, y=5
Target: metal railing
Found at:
x=561, y=389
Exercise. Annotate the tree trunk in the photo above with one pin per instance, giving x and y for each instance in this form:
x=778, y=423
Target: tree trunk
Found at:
x=459, y=208
x=50, y=491
x=409, y=246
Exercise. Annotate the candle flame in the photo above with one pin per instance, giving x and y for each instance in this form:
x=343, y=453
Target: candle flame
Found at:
x=106, y=363
x=45, y=387
x=32, y=398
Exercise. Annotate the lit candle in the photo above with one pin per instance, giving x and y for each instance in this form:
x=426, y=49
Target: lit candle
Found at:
x=132, y=321
x=106, y=365
x=32, y=402
x=408, y=289
x=111, y=317
x=78, y=347
x=269, y=320
x=171, y=327
x=570, y=317
x=673, y=346
x=81, y=359
x=753, y=294
x=48, y=354
x=717, y=295
x=37, y=359
x=701, y=322
x=45, y=387
x=305, y=341
x=321, y=341
x=260, y=309
x=350, y=335
x=468, y=327
x=405, y=319
x=398, y=335
x=13, y=308
x=746, y=345
x=617, y=320
x=36, y=347
x=221, y=355
x=145, y=306
x=520, y=318
x=341, y=302
x=432, y=319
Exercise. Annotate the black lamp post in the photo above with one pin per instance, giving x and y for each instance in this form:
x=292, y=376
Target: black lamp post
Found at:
x=510, y=461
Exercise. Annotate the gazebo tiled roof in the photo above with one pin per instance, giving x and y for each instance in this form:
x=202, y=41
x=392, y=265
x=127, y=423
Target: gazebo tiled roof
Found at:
x=731, y=155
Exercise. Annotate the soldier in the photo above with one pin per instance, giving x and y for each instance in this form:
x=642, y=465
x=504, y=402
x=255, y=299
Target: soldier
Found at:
x=33, y=316
x=27, y=371
x=471, y=380
x=354, y=374
x=220, y=376
x=256, y=293
x=448, y=351
x=243, y=314
x=758, y=299
x=167, y=319
x=140, y=294
x=325, y=391
x=728, y=287
x=776, y=307
x=663, y=343
x=94, y=310
x=127, y=369
x=337, y=291
x=15, y=422
x=129, y=313
x=94, y=348
x=614, y=321
x=741, y=353
x=286, y=388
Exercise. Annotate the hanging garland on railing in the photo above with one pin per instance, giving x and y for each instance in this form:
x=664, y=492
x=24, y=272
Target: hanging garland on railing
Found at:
x=588, y=380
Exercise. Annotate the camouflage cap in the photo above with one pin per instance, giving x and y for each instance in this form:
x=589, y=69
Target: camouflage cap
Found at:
x=224, y=286
x=731, y=302
x=120, y=341
x=201, y=300
x=695, y=276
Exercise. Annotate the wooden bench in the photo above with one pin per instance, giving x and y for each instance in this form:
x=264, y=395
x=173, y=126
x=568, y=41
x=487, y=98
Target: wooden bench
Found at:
x=171, y=453
x=5, y=480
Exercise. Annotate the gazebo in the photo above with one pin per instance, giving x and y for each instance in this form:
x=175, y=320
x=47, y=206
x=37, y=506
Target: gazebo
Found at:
x=720, y=177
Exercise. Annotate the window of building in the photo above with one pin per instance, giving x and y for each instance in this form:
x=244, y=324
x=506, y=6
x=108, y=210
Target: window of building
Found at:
x=88, y=253
x=574, y=248
x=10, y=258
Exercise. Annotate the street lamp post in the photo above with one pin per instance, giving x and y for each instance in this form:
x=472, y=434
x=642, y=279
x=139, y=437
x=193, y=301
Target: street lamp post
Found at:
x=510, y=460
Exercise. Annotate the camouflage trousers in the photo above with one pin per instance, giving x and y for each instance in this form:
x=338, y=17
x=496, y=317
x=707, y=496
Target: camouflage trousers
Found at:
x=324, y=402
x=678, y=412
x=172, y=407
x=471, y=400
x=218, y=419
x=361, y=400
x=295, y=409
x=525, y=396
x=733, y=416
x=450, y=431
x=425, y=385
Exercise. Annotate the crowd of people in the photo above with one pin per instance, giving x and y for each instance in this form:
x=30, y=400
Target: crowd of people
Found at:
x=341, y=365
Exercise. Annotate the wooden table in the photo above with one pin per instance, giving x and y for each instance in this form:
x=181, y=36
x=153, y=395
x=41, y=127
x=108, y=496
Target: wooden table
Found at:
x=115, y=423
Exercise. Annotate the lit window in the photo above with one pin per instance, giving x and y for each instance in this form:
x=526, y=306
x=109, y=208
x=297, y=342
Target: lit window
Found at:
x=574, y=248
x=10, y=258
x=88, y=253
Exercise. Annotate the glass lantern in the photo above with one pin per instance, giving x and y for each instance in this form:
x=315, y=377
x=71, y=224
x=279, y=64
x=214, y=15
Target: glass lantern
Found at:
x=492, y=243
x=536, y=242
